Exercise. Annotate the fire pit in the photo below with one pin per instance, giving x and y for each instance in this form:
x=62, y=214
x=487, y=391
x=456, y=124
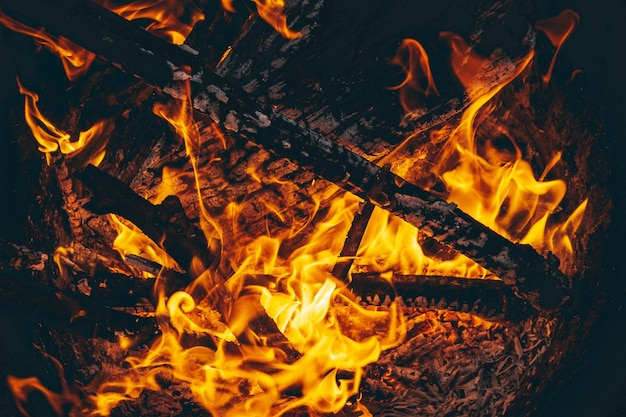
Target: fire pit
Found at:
x=304, y=209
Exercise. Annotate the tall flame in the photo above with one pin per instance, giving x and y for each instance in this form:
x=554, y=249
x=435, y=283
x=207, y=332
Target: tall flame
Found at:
x=75, y=59
x=171, y=19
x=413, y=59
x=91, y=143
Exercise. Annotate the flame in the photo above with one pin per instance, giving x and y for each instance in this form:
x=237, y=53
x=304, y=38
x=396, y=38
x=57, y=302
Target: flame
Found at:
x=558, y=29
x=90, y=145
x=130, y=240
x=272, y=12
x=172, y=20
x=75, y=59
x=64, y=404
x=413, y=59
x=297, y=292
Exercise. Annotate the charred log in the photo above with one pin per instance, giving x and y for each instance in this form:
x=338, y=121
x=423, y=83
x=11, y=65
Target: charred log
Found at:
x=531, y=276
x=488, y=299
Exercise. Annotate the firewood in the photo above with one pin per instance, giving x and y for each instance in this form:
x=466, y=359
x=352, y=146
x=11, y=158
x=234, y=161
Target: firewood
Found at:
x=530, y=275
x=486, y=298
x=33, y=302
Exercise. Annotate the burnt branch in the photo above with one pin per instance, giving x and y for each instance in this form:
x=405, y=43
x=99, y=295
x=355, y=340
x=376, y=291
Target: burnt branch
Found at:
x=529, y=274
x=489, y=299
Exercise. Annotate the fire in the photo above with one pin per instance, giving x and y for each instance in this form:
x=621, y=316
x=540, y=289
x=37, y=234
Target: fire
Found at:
x=272, y=12
x=75, y=59
x=64, y=403
x=557, y=29
x=413, y=59
x=298, y=293
x=172, y=20
x=90, y=145
x=130, y=240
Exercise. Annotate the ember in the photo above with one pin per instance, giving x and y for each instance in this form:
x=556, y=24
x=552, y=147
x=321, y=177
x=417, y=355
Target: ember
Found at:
x=242, y=236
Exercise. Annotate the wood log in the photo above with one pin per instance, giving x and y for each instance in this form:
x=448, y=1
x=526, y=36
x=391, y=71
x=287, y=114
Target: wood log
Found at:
x=530, y=275
x=21, y=297
x=488, y=299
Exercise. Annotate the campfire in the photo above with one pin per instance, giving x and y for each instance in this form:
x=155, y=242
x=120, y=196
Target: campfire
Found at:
x=252, y=209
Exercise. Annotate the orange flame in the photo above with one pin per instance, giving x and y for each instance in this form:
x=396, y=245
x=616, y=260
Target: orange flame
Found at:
x=272, y=12
x=558, y=29
x=166, y=16
x=63, y=404
x=75, y=59
x=300, y=296
x=413, y=59
x=90, y=144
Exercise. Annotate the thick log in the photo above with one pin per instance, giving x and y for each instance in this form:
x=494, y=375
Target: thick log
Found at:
x=529, y=274
x=488, y=299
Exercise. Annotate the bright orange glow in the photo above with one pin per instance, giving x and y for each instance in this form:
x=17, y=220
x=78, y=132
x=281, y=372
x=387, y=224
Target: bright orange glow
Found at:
x=172, y=19
x=557, y=29
x=228, y=6
x=413, y=59
x=75, y=59
x=90, y=145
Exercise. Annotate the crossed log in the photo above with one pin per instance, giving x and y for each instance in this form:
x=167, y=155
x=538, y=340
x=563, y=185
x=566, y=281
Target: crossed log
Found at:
x=526, y=272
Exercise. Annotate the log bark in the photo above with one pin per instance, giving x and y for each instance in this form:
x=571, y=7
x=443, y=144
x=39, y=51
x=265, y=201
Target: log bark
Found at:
x=488, y=299
x=530, y=275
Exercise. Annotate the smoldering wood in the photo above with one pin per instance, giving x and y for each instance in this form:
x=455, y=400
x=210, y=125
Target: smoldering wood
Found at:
x=486, y=298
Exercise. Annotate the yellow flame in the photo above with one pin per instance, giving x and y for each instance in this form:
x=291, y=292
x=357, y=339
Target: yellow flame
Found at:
x=130, y=240
x=91, y=142
x=75, y=59
x=173, y=20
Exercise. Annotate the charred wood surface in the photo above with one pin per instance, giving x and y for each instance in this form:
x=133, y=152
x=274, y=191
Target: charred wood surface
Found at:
x=529, y=274
x=489, y=299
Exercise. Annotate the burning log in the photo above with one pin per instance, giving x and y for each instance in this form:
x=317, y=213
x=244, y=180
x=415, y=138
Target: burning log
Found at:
x=530, y=275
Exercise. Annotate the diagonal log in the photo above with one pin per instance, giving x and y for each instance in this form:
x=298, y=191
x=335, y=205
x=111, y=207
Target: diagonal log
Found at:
x=488, y=299
x=529, y=274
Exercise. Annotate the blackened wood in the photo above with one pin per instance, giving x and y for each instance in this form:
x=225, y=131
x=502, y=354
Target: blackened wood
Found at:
x=489, y=299
x=164, y=222
x=23, y=298
x=529, y=274
x=352, y=242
